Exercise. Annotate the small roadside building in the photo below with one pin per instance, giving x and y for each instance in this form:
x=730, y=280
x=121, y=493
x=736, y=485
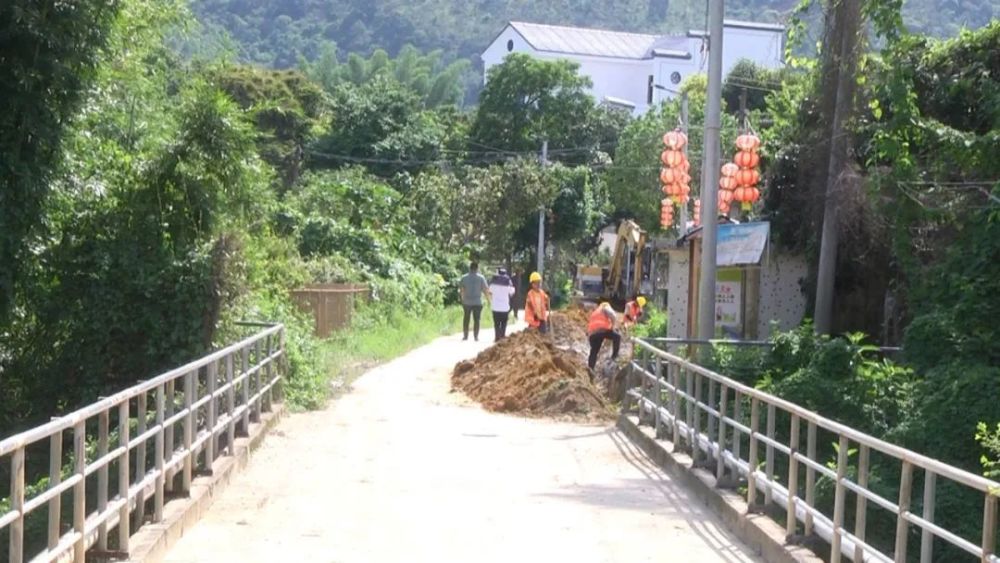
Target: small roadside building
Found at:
x=636, y=70
x=755, y=287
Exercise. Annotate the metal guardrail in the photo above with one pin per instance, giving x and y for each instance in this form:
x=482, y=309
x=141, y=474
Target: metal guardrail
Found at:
x=197, y=410
x=705, y=413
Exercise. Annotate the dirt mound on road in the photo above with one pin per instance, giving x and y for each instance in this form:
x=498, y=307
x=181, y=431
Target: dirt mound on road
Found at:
x=527, y=373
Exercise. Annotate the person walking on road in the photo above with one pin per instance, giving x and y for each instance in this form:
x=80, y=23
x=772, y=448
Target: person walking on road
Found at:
x=472, y=287
x=601, y=327
x=536, y=305
x=501, y=292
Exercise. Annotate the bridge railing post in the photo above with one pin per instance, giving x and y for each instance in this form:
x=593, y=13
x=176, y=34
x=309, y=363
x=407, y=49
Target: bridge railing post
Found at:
x=245, y=395
x=769, y=453
x=142, y=412
x=80, y=490
x=754, y=454
x=675, y=402
x=55, y=478
x=720, y=468
x=16, y=532
x=861, y=508
x=124, y=466
x=930, y=500
x=189, y=431
x=103, y=423
x=211, y=379
x=905, y=494
x=658, y=395
x=839, y=500
x=168, y=445
x=793, y=479
x=158, y=454
x=230, y=407
x=810, y=477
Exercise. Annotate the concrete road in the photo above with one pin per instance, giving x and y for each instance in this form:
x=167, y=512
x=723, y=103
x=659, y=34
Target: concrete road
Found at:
x=402, y=470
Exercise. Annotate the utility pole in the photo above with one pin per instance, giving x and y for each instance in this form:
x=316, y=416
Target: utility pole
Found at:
x=685, y=125
x=540, y=266
x=710, y=173
x=845, y=68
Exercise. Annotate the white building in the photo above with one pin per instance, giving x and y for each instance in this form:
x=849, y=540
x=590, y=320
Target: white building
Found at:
x=625, y=68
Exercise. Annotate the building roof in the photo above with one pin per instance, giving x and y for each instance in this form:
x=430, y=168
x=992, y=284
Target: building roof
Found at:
x=616, y=44
x=582, y=41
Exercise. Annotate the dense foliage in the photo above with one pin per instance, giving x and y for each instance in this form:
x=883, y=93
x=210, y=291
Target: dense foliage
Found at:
x=49, y=53
x=280, y=33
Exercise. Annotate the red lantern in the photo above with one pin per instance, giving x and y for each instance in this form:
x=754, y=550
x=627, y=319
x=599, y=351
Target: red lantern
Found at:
x=670, y=176
x=747, y=196
x=683, y=196
x=727, y=183
x=746, y=159
x=671, y=158
x=729, y=169
x=685, y=166
x=666, y=213
x=747, y=177
x=725, y=196
x=675, y=140
x=672, y=190
x=748, y=142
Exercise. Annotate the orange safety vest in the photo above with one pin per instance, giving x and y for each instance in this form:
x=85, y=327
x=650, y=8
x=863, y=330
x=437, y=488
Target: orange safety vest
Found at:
x=536, y=308
x=599, y=320
x=632, y=311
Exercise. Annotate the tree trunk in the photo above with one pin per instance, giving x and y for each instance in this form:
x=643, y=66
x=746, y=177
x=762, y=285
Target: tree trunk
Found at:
x=846, y=16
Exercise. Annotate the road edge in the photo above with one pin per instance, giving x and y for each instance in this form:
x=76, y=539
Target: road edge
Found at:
x=152, y=542
x=758, y=531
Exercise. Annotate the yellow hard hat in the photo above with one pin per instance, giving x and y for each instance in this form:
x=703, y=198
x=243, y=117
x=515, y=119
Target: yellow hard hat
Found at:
x=535, y=277
x=641, y=301
x=604, y=305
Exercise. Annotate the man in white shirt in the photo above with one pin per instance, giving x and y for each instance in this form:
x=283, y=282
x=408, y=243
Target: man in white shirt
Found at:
x=501, y=290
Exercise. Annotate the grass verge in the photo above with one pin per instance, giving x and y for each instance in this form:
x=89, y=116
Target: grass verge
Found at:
x=370, y=341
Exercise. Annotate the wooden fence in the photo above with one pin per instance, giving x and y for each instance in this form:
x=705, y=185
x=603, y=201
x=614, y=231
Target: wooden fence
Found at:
x=331, y=305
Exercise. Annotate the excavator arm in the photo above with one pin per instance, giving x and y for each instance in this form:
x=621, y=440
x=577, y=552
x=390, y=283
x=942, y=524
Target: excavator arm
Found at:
x=630, y=238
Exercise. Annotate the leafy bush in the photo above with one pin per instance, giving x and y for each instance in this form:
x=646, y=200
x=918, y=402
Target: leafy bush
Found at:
x=654, y=324
x=839, y=377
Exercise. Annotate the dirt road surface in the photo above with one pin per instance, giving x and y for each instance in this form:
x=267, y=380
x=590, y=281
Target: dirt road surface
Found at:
x=402, y=470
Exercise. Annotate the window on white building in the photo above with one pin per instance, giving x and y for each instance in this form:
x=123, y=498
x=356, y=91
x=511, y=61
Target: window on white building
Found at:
x=649, y=90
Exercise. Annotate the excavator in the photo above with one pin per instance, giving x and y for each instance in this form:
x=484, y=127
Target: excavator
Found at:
x=622, y=280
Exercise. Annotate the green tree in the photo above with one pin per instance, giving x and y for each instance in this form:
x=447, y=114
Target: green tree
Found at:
x=426, y=74
x=286, y=108
x=49, y=56
x=528, y=100
x=383, y=124
x=633, y=179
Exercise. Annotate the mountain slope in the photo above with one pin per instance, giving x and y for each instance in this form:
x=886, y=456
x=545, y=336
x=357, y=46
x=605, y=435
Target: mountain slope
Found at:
x=278, y=32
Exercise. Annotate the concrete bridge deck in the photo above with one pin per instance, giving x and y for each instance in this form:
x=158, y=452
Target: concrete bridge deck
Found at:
x=400, y=469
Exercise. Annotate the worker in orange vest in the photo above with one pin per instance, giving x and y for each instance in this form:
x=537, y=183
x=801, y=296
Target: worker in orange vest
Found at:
x=536, y=305
x=601, y=327
x=633, y=310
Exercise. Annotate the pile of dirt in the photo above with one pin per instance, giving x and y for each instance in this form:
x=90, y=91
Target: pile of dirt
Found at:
x=527, y=373
x=569, y=330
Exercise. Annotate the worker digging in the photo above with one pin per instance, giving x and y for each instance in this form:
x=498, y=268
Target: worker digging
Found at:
x=558, y=367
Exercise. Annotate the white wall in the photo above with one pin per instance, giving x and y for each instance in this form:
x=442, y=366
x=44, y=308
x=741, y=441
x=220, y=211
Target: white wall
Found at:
x=497, y=51
x=760, y=46
x=781, y=298
x=628, y=79
x=677, y=292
